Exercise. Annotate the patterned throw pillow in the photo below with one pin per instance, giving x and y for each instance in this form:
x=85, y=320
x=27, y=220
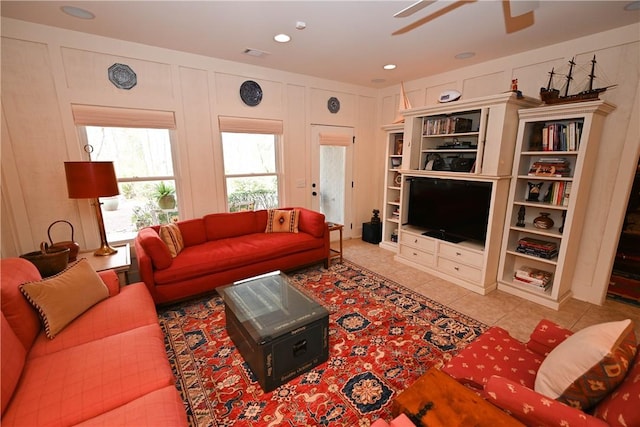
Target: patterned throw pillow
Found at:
x=620, y=408
x=588, y=365
x=282, y=221
x=61, y=298
x=171, y=236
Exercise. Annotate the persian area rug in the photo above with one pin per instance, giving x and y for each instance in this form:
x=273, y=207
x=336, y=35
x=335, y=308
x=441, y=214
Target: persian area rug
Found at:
x=383, y=336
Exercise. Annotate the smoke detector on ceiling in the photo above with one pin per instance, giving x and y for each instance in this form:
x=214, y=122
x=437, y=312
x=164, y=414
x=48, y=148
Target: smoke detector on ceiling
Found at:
x=255, y=52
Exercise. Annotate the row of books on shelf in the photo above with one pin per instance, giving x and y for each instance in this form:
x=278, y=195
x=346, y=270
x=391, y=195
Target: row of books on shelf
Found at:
x=558, y=193
x=533, y=277
x=550, y=166
x=561, y=136
x=537, y=247
x=446, y=125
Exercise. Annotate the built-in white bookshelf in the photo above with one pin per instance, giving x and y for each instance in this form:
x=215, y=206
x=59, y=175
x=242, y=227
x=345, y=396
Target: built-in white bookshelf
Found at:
x=556, y=152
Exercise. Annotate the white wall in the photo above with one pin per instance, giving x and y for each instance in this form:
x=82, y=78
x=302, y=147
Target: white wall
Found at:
x=45, y=70
x=618, y=55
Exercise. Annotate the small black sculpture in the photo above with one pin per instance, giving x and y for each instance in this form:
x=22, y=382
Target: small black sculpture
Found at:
x=375, y=219
x=521, y=214
x=534, y=191
x=564, y=218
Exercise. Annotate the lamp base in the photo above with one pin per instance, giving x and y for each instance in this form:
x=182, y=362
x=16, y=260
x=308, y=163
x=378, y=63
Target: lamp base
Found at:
x=105, y=250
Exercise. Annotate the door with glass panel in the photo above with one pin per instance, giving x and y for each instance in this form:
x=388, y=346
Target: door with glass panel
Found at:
x=331, y=181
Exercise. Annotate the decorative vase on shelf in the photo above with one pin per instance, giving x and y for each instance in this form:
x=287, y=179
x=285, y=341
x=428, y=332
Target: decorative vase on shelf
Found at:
x=543, y=221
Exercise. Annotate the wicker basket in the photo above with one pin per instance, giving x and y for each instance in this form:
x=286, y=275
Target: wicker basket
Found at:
x=48, y=261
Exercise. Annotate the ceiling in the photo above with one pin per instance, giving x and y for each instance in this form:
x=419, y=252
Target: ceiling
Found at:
x=347, y=41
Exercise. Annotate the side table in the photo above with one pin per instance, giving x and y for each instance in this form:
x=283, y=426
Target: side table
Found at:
x=335, y=253
x=436, y=399
x=120, y=262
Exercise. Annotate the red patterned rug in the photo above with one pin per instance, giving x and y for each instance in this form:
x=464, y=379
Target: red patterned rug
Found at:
x=383, y=336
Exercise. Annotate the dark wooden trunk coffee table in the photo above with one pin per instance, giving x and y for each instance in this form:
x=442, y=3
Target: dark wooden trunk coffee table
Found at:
x=279, y=331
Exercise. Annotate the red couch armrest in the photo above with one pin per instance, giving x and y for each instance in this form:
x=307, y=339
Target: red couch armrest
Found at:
x=110, y=278
x=311, y=222
x=145, y=266
x=546, y=336
x=534, y=409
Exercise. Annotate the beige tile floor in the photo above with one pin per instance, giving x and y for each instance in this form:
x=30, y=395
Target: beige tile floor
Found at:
x=516, y=315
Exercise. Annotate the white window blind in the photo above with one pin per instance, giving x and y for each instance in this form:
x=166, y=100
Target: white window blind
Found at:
x=246, y=125
x=327, y=138
x=94, y=115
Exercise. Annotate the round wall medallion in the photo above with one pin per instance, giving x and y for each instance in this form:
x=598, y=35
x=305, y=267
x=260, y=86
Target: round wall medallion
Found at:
x=333, y=104
x=122, y=76
x=251, y=93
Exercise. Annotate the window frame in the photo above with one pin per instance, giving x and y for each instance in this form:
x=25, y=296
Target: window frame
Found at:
x=278, y=160
x=87, y=149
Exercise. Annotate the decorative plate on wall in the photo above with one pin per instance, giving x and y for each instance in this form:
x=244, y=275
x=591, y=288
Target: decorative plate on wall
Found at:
x=122, y=76
x=251, y=93
x=333, y=104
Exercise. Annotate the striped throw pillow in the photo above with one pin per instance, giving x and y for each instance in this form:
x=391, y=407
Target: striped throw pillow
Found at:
x=171, y=236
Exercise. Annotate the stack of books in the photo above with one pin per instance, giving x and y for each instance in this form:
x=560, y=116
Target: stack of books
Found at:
x=550, y=166
x=533, y=277
x=537, y=247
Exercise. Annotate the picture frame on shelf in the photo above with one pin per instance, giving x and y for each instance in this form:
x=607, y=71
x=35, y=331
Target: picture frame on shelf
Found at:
x=397, y=149
x=396, y=162
x=398, y=179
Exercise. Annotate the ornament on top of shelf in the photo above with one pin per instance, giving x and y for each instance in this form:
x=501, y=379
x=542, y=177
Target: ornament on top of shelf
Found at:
x=449, y=96
x=404, y=104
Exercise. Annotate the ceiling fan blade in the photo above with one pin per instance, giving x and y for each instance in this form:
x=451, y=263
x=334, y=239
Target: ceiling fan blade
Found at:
x=432, y=16
x=516, y=23
x=408, y=11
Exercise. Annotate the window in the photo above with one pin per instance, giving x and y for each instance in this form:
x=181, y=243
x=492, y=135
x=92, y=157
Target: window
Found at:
x=250, y=150
x=144, y=169
x=251, y=170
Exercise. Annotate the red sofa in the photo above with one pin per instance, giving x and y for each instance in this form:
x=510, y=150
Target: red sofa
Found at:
x=107, y=367
x=505, y=371
x=222, y=248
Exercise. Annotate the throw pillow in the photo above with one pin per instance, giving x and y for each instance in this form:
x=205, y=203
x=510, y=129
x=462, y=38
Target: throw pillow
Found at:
x=588, y=365
x=61, y=298
x=620, y=408
x=282, y=221
x=172, y=237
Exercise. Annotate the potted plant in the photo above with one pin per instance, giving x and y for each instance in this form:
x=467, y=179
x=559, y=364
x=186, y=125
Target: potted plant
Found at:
x=165, y=196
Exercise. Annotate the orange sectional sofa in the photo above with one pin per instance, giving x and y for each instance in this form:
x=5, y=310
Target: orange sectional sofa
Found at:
x=222, y=248
x=107, y=367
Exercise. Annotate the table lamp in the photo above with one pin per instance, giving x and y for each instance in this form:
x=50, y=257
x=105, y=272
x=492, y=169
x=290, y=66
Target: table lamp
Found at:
x=91, y=180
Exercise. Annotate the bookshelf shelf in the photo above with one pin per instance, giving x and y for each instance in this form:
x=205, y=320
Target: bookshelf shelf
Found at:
x=560, y=168
x=393, y=163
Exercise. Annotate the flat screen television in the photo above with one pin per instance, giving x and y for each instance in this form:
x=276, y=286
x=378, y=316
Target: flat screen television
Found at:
x=449, y=209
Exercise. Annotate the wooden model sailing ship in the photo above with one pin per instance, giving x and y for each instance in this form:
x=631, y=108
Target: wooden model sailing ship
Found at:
x=550, y=95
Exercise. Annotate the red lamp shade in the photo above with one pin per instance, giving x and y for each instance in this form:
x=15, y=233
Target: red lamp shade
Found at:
x=90, y=180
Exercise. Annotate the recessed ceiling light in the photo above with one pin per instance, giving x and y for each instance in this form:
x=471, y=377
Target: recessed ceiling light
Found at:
x=281, y=38
x=389, y=67
x=465, y=55
x=634, y=5
x=76, y=12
